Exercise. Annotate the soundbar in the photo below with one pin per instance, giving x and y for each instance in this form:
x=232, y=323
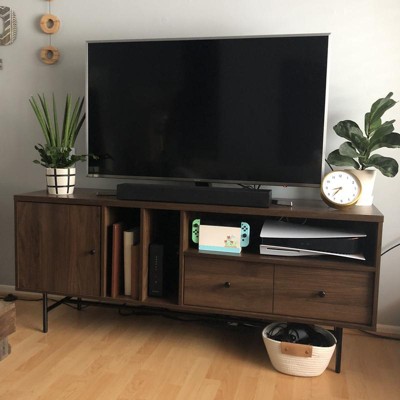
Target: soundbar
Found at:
x=194, y=194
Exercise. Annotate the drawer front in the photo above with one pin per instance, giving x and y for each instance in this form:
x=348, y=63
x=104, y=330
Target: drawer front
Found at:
x=324, y=294
x=230, y=285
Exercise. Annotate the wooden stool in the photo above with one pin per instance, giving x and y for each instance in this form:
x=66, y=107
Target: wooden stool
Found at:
x=7, y=326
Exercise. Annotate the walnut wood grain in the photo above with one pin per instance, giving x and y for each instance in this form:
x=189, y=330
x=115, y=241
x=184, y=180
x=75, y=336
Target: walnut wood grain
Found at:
x=146, y=235
x=44, y=263
x=58, y=248
x=345, y=296
x=232, y=285
x=302, y=208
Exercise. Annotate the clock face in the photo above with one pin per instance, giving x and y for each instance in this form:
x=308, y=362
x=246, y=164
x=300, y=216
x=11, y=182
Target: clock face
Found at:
x=340, y=189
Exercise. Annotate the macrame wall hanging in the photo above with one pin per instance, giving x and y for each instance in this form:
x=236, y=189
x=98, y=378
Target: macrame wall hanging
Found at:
x=49, y=24
x=8, y=33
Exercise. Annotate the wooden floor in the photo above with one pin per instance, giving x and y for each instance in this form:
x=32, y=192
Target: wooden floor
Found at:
x=98, y=354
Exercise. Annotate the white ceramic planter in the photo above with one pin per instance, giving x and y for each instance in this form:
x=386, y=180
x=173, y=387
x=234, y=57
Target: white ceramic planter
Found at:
x=367, y=179
x=60, y=180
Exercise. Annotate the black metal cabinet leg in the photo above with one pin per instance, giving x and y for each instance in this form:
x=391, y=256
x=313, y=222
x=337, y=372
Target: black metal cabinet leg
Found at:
x=45, y=314
x=338, y=332
x=79, y=303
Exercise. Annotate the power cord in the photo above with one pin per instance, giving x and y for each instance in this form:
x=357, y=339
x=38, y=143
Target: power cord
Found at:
x=10, y=297
x=390, y=248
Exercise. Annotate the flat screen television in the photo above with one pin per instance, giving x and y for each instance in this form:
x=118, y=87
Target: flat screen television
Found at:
x=248, y=110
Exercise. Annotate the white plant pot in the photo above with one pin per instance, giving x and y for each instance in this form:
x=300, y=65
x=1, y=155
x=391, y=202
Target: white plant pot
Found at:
x=367, y=179
x=60, y=180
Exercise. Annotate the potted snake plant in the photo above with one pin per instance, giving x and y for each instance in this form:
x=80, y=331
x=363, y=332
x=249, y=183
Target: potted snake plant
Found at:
x=358, y=151
x=57, y=153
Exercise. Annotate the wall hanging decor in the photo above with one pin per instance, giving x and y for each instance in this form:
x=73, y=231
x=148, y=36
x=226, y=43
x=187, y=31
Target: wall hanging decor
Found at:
x=49, y=54
x=49, y=24
x=9, y=32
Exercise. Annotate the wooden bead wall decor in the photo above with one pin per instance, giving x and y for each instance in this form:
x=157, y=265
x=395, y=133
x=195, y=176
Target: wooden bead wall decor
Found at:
x=49, y=24
x=9, y=32
x=49, y=55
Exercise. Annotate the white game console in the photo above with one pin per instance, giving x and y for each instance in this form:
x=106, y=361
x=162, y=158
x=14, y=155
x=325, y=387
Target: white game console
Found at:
x=290, y=239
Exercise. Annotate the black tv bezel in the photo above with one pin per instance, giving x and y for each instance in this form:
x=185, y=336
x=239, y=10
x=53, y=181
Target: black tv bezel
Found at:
x=162, y=179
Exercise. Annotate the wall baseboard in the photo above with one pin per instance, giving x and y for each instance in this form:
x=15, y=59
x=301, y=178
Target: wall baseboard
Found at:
x=6, y=289
x=391, y=329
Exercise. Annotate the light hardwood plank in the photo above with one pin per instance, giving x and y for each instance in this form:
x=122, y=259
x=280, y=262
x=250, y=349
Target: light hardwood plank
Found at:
x=97, y=354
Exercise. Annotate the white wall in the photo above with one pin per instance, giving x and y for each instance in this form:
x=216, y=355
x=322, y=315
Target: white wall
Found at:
x=365, y=59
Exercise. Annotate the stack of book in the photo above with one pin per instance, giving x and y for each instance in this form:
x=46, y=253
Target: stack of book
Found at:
x=125, y=261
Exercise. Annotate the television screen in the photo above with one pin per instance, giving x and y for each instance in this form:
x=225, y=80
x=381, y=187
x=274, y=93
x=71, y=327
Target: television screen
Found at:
x=245, y=110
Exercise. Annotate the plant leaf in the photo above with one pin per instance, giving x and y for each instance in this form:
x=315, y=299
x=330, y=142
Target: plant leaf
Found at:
x=346, y=149
x=335, y=158
x=58, y=157
x=55, y=123
x=56, y=153
x=388, y=166
x=370, y=127
x=379, y=107
x=382, y=131
x=78, y=128
x=40, y=118
x=67, y=120
x=76, y=121
x=346, y=128
x=391, y=141
x=360, y=143
x=47, y=119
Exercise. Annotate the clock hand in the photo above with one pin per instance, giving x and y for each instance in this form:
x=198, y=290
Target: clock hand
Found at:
x=337, y=190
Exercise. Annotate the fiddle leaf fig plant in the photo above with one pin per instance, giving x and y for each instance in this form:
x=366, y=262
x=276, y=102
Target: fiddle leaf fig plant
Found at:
x=358, y=150
x=57, y=152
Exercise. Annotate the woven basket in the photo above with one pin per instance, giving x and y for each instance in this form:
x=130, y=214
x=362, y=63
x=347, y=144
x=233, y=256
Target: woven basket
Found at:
x=299, y=359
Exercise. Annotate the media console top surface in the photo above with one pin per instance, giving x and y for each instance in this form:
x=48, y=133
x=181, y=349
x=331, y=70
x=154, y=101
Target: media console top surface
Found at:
x=300, y=209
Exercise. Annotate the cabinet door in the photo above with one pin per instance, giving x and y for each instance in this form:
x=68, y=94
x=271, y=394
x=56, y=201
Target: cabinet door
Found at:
x=58, y=248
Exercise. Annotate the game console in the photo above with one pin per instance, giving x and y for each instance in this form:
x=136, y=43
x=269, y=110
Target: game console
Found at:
x=227, y=239
x=290, y=239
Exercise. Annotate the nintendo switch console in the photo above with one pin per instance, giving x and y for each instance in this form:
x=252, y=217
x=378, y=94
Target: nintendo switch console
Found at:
x=227, y=239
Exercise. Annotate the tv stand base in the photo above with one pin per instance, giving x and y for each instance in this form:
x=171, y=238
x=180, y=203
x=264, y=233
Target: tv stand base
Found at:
x=79, y=302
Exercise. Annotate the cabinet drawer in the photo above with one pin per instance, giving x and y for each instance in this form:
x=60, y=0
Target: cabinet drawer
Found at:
x=324, y=294
x=230, y=285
